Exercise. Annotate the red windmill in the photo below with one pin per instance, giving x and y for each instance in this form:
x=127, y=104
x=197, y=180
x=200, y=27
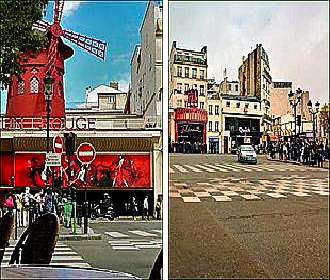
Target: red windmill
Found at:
x=26, y=97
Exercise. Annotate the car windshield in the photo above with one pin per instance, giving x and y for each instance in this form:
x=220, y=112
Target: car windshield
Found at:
x=247, y=148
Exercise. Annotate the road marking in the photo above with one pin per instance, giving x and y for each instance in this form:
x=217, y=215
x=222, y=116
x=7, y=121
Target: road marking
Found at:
x=207, y=168
x=229, y=193
x=202, y=194
x=300, y=194
x=115, y=234
x=149, y=246
x=180, y=168
x=126, y=248
x=217, y=167
x=237, y=168
x=275, y=195
x=142, y=233
x=191, y=199
x=221, y=198
x=157, y=230
x=250, y=197
x=171, y=170
x=193, y=168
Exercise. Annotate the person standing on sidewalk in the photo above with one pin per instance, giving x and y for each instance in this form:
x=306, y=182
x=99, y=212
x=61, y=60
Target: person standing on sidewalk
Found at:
x=134, y=208
x=145, y=208
x=19, y=206
x=158, y=208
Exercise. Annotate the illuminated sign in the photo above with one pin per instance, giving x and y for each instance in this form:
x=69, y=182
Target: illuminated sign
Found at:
x=72, y=123
x=190, y=114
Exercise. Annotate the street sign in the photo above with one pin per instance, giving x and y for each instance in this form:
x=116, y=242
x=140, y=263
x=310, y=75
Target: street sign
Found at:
x=58, y=144
x=86, y=153
x=53, y=159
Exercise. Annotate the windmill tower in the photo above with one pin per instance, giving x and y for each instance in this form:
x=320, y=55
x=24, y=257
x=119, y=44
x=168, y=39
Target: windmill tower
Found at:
x=26, y=96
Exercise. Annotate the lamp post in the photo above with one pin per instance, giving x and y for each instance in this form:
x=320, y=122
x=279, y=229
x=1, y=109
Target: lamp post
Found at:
x=294, y=99
x=314, y=112
x=49, y=83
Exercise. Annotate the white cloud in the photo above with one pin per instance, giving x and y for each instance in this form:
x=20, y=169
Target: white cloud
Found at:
x=70, y=7
x=294, y=34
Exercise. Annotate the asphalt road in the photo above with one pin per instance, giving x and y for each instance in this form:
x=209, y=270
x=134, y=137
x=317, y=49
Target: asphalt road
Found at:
x=270, y=220
x=127, y=246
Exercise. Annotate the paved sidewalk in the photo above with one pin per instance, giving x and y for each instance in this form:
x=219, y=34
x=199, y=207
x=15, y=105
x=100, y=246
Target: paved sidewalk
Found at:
x=325, y=163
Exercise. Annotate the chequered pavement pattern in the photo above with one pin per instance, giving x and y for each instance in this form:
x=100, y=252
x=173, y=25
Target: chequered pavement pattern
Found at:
x=230, y=189
x=131, y=240
x=228, y=168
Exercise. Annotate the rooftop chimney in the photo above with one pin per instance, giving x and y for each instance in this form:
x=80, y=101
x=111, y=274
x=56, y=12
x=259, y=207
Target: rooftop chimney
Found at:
x=114, y=85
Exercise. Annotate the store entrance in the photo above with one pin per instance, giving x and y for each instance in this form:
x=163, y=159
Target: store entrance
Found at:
x=191, y=138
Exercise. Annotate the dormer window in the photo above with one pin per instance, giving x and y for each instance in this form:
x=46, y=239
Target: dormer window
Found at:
x=34, y=85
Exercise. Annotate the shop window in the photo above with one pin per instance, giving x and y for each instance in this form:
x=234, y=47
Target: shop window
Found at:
x=34, y=85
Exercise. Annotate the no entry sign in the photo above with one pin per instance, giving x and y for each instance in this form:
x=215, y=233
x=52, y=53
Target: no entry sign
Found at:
x=58, y=144
x=86, y=153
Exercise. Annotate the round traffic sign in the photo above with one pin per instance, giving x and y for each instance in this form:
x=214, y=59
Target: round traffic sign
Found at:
x=86, y=153
x=58, y=144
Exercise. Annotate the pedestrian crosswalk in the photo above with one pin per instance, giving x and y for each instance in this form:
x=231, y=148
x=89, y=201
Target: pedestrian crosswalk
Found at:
x=63, y=255
x=227, y=168
x=230, y=189
x=135, y=240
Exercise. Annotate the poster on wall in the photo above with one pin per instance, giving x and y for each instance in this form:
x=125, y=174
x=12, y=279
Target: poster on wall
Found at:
x=107, y=171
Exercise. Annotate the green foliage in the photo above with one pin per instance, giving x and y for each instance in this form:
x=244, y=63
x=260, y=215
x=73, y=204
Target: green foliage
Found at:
x=16, y=34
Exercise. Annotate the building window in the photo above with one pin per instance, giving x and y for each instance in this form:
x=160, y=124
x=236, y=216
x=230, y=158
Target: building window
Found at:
x=255, y=106
x=210, y=109
x=179, y=89
x=228, y=104
x=216, y=109
x=201, y=90
x=186, y=87
x=179, y=103
x=34, y=85
x=236, y=87
x=186, y=72
x=111, y=99
x=186, y=104
x=229, y=87
x=246, y=105
x=216, y=126
x=201, y=105
x=202, y=75
x=179, y=71
x=21, y=87
x=238, y=105
x=194, y=73
x=210, y=125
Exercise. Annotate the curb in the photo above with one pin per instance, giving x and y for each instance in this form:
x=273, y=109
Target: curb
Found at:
x=293, y=162
x=79, y=237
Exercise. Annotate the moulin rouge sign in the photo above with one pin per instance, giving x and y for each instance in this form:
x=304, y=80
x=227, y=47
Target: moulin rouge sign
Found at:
x=71, y=123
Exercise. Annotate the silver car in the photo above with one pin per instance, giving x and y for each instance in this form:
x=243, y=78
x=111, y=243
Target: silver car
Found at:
x=246, y=153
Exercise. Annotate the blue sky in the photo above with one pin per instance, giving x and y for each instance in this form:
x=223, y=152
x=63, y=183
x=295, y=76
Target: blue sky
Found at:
x=116, y=22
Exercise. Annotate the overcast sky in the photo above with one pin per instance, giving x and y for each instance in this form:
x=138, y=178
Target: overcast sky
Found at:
x=294, y=34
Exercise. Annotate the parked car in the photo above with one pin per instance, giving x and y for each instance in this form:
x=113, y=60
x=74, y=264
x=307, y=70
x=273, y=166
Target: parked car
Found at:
x=246, y=153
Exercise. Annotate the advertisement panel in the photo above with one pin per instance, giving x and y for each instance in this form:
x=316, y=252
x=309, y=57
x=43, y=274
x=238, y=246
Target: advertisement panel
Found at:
x=107, y=171
x=6, y=168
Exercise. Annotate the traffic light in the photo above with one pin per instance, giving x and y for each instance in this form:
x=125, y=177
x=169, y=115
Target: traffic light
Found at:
x=70, y=143
x=298, y=120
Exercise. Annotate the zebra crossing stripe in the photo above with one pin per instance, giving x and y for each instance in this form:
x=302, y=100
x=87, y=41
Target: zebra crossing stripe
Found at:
x=207, y=168
x=225, y=166
x=142, y=233
x=180, y=168
x=217, y=167
x=240, y=167
x=171, y=170
x=193, y=168
x=115, y=234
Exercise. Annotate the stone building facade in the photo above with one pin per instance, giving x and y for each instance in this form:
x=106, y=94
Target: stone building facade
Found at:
x=279, y=101
x=146, y=65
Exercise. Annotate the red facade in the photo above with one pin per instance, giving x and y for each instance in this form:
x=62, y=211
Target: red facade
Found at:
x=26, y=96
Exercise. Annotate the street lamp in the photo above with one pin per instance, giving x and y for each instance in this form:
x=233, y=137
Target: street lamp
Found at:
x=314, y=113
x=49, y=84
x=294, y=99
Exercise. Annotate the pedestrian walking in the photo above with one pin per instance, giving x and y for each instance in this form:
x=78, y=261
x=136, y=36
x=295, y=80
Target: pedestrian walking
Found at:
x=134, y=208
x=145, y=212
x=67, y=207
x=19, y=206
x=158, y=208
x=49, y=201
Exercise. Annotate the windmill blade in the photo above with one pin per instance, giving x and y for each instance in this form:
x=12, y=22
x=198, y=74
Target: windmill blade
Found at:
x=52, y=51
x=94, y=46
x=58, y=10
x=41, y=24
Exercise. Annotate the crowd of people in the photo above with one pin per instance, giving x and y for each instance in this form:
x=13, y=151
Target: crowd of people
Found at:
x=307, y=153
x=187, y=147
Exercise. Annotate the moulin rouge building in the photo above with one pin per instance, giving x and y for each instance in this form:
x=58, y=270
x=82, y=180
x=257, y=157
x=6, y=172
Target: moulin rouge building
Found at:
x=128, y=158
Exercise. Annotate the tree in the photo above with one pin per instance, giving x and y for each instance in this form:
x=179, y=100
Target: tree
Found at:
x=16, y=34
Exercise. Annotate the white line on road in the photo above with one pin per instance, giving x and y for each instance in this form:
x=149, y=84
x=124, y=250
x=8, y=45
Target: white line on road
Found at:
x=193, y=168
x=142, y=233
x=217, y=167
x=115, y=234
x=207, y=168
x=180, y=168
